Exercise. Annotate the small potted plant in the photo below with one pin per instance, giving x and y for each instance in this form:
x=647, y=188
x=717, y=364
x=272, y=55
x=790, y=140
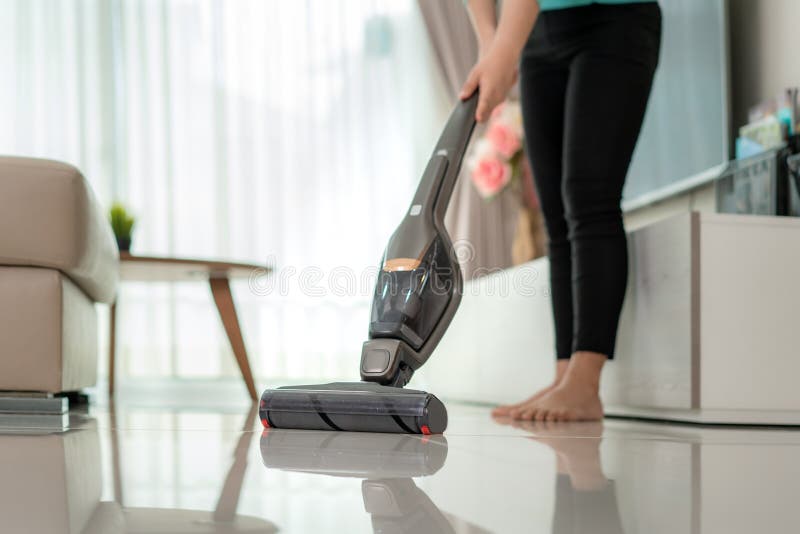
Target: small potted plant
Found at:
x=122, y=223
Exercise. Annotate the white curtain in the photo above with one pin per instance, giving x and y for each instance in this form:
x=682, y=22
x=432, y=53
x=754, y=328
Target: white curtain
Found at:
x=281, y=132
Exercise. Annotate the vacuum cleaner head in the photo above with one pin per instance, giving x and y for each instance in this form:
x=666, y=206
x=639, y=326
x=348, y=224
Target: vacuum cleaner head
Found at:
x=354, y=406
x=416, y=296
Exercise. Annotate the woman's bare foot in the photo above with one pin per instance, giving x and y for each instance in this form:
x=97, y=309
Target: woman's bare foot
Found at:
x=561, y=370
x=575, y=398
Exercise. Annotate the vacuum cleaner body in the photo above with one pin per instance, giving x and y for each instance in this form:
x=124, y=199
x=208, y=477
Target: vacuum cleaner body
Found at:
x=416, y=296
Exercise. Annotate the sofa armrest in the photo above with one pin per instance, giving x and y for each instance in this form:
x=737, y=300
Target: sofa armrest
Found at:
x=49, y=217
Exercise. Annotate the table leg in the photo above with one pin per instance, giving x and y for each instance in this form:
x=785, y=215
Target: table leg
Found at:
x=221, y=290
x=228, y=501
x=112, y=348
x=116, y=467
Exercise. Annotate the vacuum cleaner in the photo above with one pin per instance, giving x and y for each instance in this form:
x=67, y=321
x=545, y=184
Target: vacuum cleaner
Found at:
x=417, y=293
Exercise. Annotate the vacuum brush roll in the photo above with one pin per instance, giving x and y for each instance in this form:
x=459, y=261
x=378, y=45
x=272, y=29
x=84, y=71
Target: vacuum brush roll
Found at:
x=357, y=406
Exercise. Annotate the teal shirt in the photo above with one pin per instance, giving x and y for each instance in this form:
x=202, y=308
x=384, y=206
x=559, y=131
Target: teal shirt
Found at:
x=546, y=5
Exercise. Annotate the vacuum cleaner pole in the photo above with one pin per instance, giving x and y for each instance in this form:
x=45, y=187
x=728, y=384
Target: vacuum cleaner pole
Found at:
x=442, y=170
x=420, y=283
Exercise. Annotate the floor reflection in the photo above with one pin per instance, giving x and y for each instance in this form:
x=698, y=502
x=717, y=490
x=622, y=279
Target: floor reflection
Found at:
x=57, y=484
x=223, y=519
x=387, y=463
x=196, y=470
x=585, y=500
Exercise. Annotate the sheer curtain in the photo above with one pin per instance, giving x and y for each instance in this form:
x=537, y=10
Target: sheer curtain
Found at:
x=288, y=133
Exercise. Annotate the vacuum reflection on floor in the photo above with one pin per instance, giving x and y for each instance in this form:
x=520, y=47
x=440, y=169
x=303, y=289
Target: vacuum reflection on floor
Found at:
x=387, y=463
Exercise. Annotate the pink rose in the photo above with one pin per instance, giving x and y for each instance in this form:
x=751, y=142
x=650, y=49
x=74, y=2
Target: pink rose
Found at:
x=505, y=141
x=490, y=176
x=498, y=111
x=510, y=114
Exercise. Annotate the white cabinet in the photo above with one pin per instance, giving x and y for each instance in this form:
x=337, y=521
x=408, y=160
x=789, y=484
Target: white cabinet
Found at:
x=710, y=330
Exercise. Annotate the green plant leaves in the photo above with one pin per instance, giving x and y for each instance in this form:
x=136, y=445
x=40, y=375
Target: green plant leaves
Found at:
x=121, y=221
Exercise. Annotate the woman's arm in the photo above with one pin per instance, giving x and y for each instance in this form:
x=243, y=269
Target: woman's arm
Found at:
x=483, y=15
x=495, y=71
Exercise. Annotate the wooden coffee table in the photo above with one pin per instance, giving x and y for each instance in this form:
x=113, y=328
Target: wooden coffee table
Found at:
x=216, y=273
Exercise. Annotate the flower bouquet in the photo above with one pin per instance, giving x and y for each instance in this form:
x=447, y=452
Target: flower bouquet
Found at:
x=497, y=157
x=498, y=161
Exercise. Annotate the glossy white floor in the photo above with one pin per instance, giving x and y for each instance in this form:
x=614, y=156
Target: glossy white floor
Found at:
x=141, y=469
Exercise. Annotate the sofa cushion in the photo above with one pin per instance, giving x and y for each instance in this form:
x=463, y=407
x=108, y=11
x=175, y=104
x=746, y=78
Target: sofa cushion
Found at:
x=48, y=332
x=50, y=218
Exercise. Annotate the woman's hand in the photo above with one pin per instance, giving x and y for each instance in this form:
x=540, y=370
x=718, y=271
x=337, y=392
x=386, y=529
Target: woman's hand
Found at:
x=500, y=46
x=494, y=74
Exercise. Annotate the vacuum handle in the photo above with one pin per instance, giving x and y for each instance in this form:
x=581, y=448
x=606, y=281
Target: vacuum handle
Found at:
x=439, y=178
x=458, y=130
x=425, y=218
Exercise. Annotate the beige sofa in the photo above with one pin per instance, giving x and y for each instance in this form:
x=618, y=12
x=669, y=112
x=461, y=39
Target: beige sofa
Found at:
x=58, y=257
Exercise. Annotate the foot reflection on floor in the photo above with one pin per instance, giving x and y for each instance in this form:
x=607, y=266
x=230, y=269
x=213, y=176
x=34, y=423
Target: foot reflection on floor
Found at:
x=585, y=500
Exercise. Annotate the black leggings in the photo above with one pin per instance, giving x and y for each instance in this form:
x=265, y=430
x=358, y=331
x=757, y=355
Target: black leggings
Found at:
x=585, y=78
